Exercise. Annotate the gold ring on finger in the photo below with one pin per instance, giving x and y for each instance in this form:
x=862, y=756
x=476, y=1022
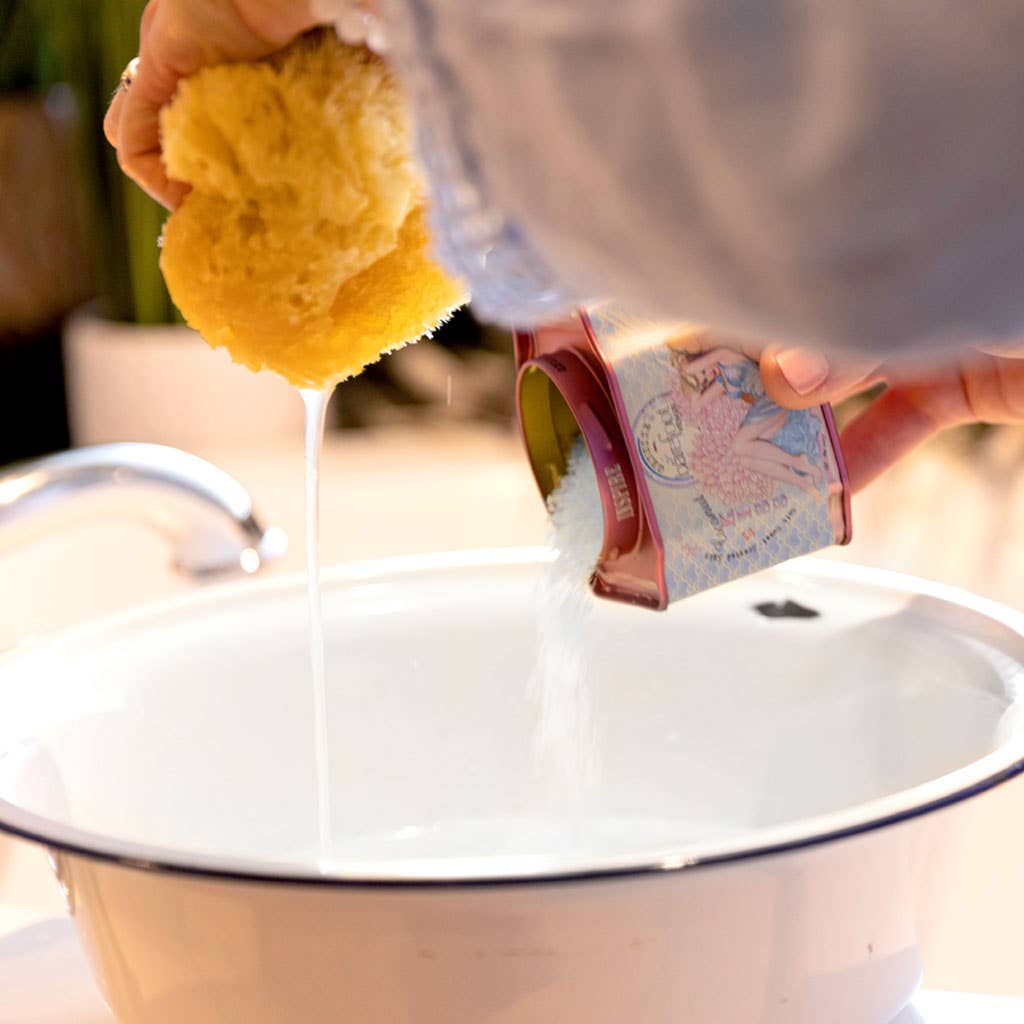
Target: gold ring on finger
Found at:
x=128, y=75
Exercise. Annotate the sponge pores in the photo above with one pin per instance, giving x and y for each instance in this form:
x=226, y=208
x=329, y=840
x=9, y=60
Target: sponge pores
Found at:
x=303, y=245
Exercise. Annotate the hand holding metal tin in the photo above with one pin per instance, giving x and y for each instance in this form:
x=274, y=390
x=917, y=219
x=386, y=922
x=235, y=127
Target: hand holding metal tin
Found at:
x=722, y=480
x=921, y=398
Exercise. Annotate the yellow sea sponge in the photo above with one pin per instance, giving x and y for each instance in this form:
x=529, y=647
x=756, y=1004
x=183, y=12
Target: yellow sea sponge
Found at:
x=302, y=247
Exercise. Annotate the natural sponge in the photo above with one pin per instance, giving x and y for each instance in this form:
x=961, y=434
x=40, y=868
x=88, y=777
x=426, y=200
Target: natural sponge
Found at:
x=303, y=246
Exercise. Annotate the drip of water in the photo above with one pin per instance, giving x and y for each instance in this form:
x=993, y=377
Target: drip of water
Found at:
x=316, y=414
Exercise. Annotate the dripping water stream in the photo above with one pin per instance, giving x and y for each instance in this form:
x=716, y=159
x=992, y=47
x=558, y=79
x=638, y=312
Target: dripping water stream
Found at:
x=316, y=413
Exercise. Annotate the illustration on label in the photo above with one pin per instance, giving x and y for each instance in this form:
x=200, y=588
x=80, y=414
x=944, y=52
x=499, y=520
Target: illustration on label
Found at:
x=744, y=442
x=737, y=482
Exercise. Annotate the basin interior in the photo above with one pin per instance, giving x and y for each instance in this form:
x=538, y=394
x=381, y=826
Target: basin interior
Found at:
x=185, y=734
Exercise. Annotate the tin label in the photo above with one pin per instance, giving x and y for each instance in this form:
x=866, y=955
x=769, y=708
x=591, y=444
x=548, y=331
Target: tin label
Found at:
x=736, y=482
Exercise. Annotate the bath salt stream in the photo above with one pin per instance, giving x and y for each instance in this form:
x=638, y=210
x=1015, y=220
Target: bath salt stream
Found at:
x=565, y=745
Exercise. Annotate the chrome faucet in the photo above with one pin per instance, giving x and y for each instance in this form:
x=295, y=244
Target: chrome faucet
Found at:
x=206, y=514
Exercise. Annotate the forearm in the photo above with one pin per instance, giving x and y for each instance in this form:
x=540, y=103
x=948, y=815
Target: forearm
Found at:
x=837, y=173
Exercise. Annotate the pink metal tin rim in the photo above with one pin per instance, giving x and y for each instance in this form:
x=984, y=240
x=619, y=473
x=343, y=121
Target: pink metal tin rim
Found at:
x=638, y=470
x=583, y=394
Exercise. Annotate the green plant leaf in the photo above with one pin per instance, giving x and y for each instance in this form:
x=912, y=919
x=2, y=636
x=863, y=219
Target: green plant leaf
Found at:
x=90, y=42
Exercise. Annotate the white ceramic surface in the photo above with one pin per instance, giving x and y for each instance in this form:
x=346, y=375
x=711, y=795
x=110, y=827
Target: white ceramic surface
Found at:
x=45, y=979
x=183, y=737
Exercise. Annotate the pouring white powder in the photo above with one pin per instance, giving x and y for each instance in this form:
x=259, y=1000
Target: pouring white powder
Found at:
x=566, y=754
x=577, y=519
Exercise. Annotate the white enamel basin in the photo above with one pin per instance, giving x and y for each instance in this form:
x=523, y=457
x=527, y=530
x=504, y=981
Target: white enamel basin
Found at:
x=752, y=842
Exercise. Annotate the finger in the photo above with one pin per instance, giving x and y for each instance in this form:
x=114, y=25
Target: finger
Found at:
x=1011, y=387
x=138, y=143
x=801, y=378
x=892, y=426
x=152, y=9
x=902, y=418
x=147, y=171
x=144, y=166
x=994, y=388
x=976, y=388
x=112, y=119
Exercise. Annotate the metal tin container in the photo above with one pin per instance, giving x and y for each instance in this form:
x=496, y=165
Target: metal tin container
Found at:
x=702, y=477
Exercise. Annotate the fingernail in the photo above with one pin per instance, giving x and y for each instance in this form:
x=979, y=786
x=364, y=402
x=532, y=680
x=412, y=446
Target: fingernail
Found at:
x=804, y=371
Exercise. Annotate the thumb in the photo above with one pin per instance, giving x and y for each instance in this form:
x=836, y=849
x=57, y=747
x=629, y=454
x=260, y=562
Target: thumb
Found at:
x=799, y=378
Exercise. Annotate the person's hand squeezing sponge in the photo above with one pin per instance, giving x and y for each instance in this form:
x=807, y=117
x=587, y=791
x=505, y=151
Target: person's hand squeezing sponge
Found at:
x=303, y=246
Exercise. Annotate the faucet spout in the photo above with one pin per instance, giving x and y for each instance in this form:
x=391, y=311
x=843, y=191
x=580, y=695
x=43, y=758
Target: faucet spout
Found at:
x=205, y=513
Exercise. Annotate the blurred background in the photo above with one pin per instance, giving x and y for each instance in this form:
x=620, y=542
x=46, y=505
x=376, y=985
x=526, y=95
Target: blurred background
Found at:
x=421, y=454
x=79, y=275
